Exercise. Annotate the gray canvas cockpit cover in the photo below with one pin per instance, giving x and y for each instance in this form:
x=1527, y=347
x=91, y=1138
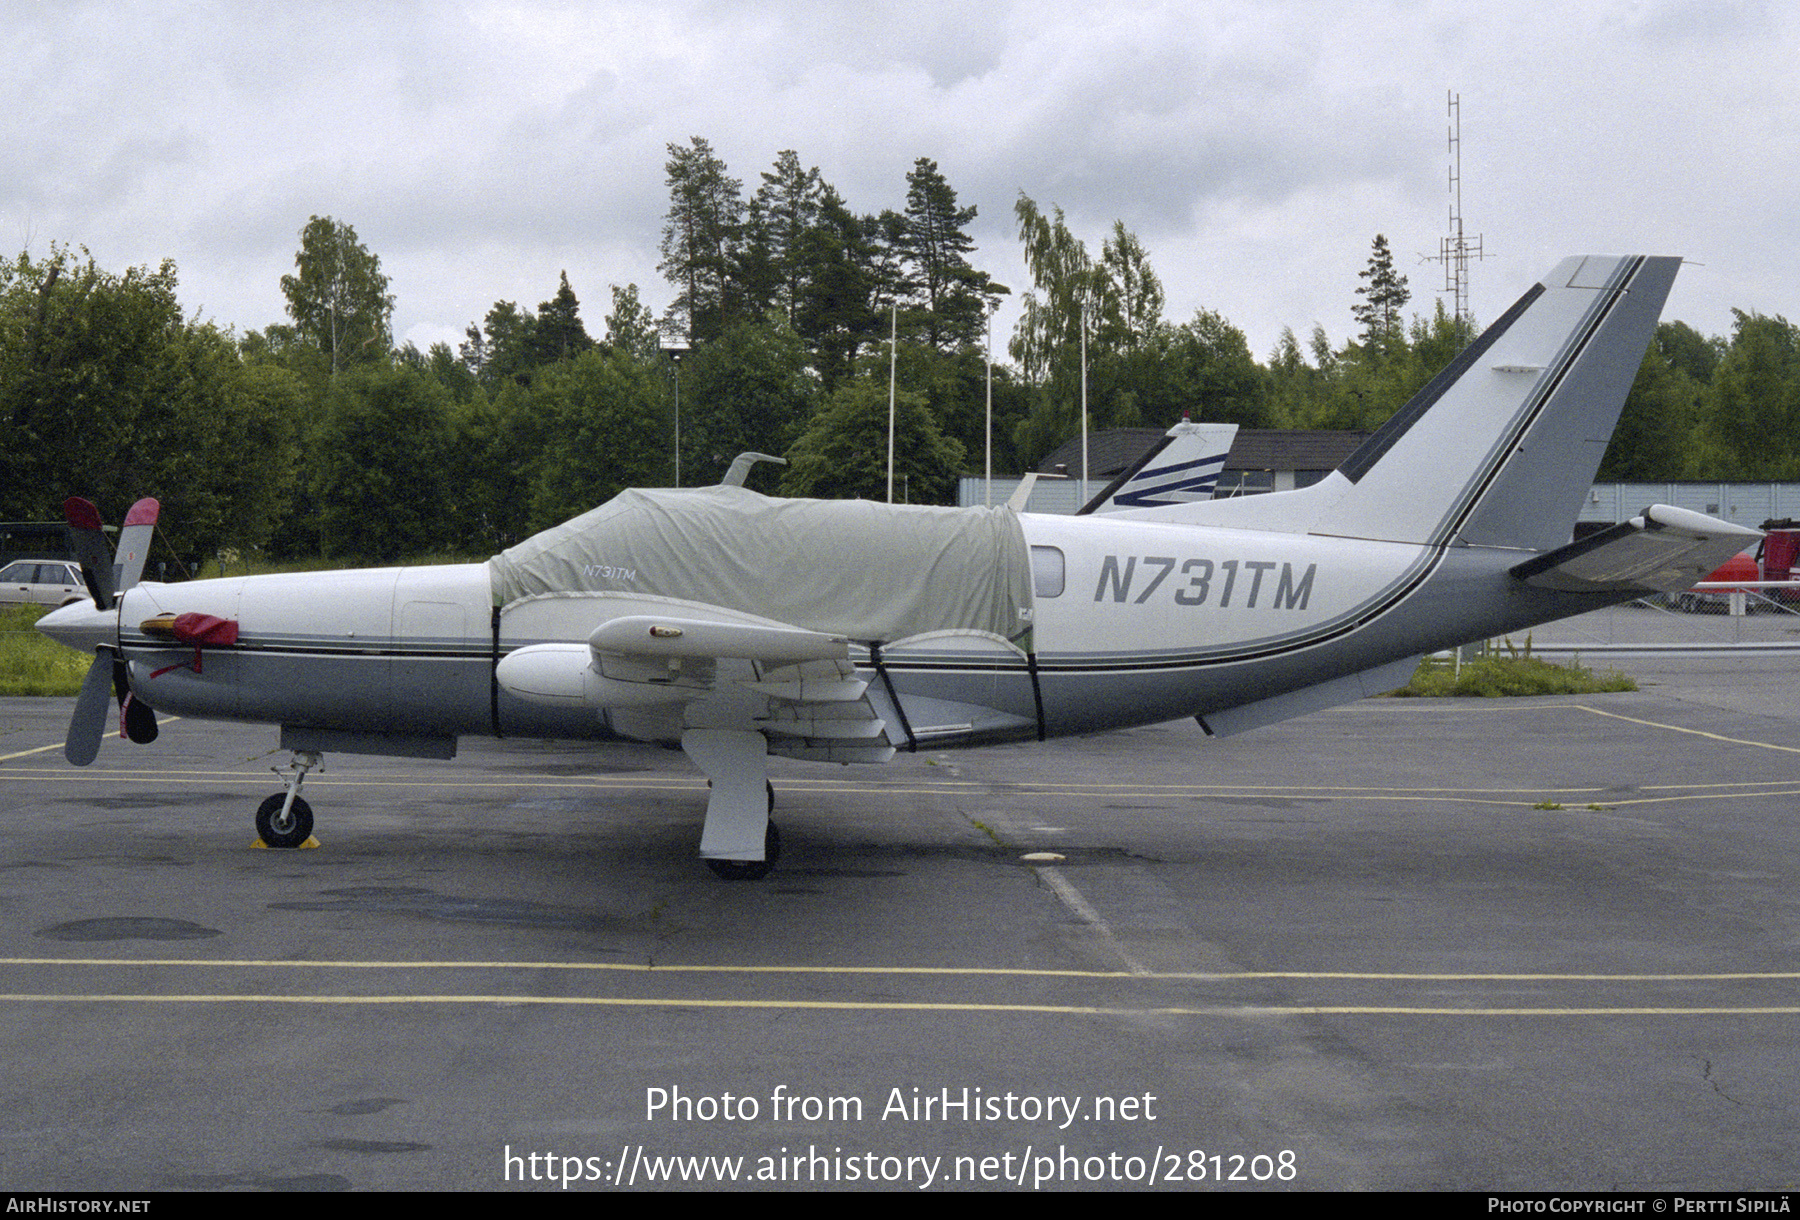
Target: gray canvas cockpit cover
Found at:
x=868, y=571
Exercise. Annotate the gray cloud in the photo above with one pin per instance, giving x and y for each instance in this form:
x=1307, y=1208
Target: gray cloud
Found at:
x=1255, y=148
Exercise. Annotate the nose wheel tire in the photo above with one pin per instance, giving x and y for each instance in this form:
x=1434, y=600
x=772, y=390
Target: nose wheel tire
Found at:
x=277, y=831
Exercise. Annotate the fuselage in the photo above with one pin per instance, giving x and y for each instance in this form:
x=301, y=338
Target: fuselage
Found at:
x=1131, y=622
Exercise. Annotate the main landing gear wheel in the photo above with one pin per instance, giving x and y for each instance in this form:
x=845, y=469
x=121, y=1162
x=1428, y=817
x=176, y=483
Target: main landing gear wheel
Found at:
x=750, y=870
x=289, y=831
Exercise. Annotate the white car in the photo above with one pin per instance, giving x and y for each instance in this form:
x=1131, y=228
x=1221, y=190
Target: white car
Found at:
x=41, y=582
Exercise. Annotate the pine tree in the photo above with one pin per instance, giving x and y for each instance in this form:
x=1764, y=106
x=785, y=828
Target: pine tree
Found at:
x=785, y=207
x=1384, y=296
x=836, y=313
x=935, y=245
x=557, y=332
x=700, y=240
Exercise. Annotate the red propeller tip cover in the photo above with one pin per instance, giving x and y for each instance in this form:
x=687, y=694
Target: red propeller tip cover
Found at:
x=81, y=514
x=143, y=512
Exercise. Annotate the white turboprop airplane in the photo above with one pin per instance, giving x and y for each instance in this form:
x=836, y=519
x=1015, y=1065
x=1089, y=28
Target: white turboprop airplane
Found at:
x=738, y=626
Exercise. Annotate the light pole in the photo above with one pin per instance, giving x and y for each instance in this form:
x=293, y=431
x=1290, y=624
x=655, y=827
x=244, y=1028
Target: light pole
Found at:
x=676, y=349
x=987, y=495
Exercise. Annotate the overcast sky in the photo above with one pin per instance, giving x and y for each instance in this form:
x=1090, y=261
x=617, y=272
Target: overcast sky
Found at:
x=1255, y=148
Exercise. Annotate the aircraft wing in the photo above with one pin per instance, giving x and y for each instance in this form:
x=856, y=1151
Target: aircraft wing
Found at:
x=656, y=666
x=1662, y=549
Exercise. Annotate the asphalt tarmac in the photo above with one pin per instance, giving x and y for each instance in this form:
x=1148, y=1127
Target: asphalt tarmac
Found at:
x=1497, y=945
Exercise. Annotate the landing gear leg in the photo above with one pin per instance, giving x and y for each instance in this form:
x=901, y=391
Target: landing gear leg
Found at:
x=284, y=820
x=738, y=842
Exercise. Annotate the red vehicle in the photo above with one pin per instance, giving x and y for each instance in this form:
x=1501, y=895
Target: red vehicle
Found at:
x=1774, y=558
x=1778, y=554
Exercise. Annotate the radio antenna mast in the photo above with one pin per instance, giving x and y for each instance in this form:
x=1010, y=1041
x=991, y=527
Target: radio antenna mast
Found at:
x=1457, y=248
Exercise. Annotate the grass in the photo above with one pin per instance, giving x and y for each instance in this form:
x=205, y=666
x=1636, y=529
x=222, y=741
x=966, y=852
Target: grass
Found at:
x=33, y=664
x=1508, y=671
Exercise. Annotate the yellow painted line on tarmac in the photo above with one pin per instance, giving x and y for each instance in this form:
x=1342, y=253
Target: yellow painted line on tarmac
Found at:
x=1653, y=724
x=994, y=971
x=1622, y=802
x=57, y=745
x=1675, y=728
x=28, y=753
x=1244, y=1011
x=875, y=785
x=1522, y=798
x=819, y=786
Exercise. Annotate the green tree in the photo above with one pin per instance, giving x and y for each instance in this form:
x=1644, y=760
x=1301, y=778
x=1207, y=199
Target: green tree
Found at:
x=770, y=263
x=557, y=332
x=1134, y=370
x=1132, y=295
x=380, y=479
x=836, y=315
x=1688, y=351
x=1432, y=343
x=1047, y=343
x=107, y=392
x=338, y=297
x=631, y=326
x=81, y=354
x=1293, y=383
x=1384, y=295
x=1755, y=402
x=450, y=372
x=700, y=240
x=604, y=427
x=219, y=446
x=950, y=296
x=1651, y=439
x=843, y=453
x=747, y=391
x=502, y=348
x=512, y=344
x=1215, y=377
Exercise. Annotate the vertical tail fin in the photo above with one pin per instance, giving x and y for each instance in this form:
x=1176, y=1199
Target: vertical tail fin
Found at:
x=1501, y=447
x=1182, y=468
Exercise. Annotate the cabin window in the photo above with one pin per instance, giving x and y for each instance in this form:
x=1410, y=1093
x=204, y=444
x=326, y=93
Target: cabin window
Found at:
x=1046, y=571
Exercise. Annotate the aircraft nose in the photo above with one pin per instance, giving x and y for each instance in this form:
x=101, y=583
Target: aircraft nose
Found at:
x=81, y=626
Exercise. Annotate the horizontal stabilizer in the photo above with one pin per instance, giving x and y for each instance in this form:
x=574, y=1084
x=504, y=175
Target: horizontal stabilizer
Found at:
x=1663, y=549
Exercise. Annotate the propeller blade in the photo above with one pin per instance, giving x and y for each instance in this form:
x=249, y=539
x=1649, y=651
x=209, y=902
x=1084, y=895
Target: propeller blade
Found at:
x=134, y=543
x=91, y=549
x=108, y=583
x=88, y=724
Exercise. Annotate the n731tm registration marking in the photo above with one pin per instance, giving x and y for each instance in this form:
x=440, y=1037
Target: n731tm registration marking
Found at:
x=1200, y=580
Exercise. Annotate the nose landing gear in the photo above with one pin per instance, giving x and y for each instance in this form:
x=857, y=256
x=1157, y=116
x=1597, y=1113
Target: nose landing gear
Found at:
x=284, y=820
